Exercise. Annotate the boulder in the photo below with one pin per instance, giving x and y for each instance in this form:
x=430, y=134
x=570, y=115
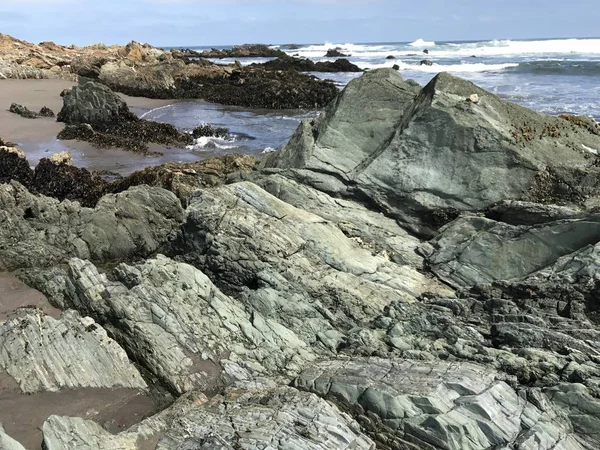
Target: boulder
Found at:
x=335, y=53
x=94, y=113
x=412, y=156
x=94, y=104
x=46, y=112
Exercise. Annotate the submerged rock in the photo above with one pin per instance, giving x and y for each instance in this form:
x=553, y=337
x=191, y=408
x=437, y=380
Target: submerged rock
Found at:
x=23, y=111
x=46, y=112
x=411, y=156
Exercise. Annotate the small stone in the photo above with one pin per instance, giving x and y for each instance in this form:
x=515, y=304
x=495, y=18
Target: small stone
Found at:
x=473, y=98
x=62, y=158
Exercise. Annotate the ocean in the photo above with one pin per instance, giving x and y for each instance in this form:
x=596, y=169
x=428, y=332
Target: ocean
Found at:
x=553, y=76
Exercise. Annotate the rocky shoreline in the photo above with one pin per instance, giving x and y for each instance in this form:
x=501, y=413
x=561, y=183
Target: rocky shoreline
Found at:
x=415, y=269
x=145, y=71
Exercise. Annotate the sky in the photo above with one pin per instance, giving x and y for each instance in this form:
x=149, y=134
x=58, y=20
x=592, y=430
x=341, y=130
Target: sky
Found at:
x=225, y=22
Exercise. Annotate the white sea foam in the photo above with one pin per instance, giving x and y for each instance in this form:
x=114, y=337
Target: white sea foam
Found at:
x=515, y=48
x=153, y=111
x=422, y=43
x=268, y=150
x=436, y=68
x=210, y=142
x=493, y=48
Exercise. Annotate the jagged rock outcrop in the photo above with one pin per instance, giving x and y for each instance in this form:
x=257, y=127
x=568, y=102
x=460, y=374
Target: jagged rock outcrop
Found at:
x=178, y=325
x=39, y=231
x=335, y=53
x=43, y=354
x=64, y=365
x=412, y=157
x=415, y=404
x=228, y=85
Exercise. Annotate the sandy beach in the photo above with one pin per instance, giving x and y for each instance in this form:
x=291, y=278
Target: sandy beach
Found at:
x=37, y=137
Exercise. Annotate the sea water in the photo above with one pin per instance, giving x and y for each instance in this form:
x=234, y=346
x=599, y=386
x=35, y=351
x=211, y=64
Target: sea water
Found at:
x=553, y=76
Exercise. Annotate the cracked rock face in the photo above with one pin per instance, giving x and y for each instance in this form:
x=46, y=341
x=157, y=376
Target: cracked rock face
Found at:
x=453, y=406
x=475, y=250
x=411, y=155
x=43, y=354
x=292, y=265
x=180, y=327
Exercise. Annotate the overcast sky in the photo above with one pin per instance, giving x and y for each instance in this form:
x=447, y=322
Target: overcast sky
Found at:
x=222, y=22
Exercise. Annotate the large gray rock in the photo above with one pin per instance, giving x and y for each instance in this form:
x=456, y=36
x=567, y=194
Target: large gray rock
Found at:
x=451, y=406
x=93, y=103
x=38, y=231
x=475, y=250
x=64, y=366
x=292, y=265
x=414, y=157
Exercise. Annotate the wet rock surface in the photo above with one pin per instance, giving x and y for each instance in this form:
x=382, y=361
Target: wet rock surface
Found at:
x=416, y=269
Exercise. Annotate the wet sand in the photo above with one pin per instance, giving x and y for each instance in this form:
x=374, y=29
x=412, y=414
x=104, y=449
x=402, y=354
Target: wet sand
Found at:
x=37, y=137
x=23, y=415
x=15, y=294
